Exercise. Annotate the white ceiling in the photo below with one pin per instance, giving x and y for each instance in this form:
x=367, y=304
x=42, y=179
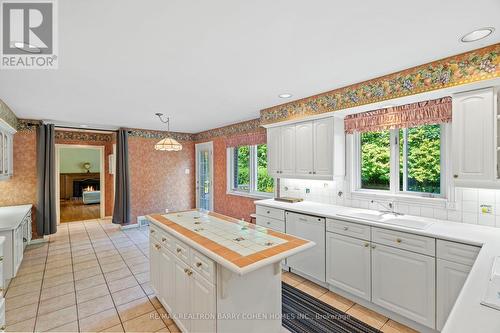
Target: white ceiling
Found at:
x=213, y=63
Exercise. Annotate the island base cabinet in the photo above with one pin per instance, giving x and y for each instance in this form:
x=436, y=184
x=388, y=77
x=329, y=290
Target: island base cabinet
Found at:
x=166, y=285
x=203, y=305
x=181, y=307
x=404, y=282
x=451, y=277
x=154, y=265
x=348, y=264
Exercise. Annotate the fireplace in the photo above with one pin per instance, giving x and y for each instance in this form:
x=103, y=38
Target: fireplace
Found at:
x=79, y=186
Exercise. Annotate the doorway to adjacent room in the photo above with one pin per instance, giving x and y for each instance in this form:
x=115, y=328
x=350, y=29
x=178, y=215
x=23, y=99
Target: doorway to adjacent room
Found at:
x=79, y=182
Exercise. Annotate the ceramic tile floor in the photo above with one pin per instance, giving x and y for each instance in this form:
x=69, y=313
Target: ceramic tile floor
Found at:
x=90, y=276
x=367, y=316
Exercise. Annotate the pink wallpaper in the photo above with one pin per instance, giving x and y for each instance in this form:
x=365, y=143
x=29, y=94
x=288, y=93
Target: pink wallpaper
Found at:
x=158, y=179
x=20, y=189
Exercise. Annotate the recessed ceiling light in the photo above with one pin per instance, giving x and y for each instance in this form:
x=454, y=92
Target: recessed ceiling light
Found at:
x=27, y=47
x=477, y=35
x=285, y=95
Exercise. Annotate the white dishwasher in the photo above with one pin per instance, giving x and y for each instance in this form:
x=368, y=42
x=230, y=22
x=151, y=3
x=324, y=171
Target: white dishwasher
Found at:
x=312, y=261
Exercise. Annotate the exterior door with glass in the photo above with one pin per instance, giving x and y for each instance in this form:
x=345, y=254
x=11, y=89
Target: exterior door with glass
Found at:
x=204, y=176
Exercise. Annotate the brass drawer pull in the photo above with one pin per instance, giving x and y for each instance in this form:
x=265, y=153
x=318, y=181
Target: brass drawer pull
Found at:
x=398, y=240
x=163, y=239
x=157, y=246
x=179, y=250
x=1, y=258
x=367, y=244
x=188, y=272
x=198, y=264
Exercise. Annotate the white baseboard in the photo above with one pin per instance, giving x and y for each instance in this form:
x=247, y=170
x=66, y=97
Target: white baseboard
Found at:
x=129, y=226
x=45, y=239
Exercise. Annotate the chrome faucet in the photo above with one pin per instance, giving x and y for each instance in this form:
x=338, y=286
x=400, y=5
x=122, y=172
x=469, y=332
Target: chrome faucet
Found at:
x=388, y=209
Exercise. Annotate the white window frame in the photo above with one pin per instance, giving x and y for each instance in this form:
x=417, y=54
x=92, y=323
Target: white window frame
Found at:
x=394, y=192
x=252, y=193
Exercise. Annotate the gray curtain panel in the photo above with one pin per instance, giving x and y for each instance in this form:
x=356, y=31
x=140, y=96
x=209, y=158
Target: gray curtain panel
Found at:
x=46, y=217
x=121, y=213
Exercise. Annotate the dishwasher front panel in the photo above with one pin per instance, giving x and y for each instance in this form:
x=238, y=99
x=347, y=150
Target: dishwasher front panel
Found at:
x=311, y=261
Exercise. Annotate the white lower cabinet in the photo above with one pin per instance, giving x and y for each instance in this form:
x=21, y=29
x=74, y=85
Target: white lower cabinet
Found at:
x=187, y=295
x=181, y=305
x=167, y=291
x=451, y=277
x=404, y=282
x=203, y=304
x=348, y=264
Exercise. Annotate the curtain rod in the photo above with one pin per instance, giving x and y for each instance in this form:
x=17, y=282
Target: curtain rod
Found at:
x=86, y=129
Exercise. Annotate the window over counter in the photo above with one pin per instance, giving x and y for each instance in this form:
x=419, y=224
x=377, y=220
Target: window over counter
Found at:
x=401, y=161
x=247, y=171
x=6, y=151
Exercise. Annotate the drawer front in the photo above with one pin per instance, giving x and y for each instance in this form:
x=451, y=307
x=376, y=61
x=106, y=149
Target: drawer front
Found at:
x=271, y=223
x=273, y=213
x=457, y=252
x=406, y=241
x=203, y=265
x=154, y=231
x=166, y=240
x=181, y=251
x=348, y=229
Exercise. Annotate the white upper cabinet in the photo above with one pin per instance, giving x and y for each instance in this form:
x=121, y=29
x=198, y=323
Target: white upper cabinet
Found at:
x=473, y=140
x=287, y=154
x=323, y=147
x=273, y=150
x=6, y=151
x=306, y=149
x=304, y=163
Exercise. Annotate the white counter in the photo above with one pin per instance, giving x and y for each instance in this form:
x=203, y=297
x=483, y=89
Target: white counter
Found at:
x=468, y=315
x=12, y=216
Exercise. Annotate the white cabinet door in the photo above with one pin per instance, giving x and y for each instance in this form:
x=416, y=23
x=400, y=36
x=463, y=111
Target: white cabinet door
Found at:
x=18, y=248
x=181, y=307
x=154, y=265
x=348, y=264
x=203, y=304
x=473, y=137
x=287, y=152
x=404, y=282
x=273, y=151
x=323, y=147
x=450, y=280
x=166, y=277
x=304, y=164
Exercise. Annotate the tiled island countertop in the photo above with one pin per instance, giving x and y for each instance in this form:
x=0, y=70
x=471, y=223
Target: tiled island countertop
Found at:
x=237, y=245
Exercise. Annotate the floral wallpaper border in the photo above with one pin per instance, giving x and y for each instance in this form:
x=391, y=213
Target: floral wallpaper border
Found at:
x=83, y=136
x=244, y=127
x=7, y=115
x=150, y=134
x=476, y=65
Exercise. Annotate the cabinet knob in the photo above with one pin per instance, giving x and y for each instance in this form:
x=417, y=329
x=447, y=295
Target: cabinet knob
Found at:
x=373, y=246
x=163, y=239
x=346, y=228
x=188, y=272
x=310, y=172
x=314, y=172
x=1, y=258
x=367, y=244
x=268, y=223
x=455, y=176
x=198, y=264
x=269, y=212
x=179, y=250
x=152, y=231
x=157, y=246
x=398, y=240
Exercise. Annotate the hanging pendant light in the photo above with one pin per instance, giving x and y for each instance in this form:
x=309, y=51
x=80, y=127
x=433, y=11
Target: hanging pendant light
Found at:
x=168, y=143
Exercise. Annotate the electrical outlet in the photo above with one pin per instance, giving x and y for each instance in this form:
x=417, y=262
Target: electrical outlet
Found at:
x=486, y=209
x=308, y=190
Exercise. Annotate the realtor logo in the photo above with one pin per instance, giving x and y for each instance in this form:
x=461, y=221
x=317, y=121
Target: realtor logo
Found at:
x=29, y=39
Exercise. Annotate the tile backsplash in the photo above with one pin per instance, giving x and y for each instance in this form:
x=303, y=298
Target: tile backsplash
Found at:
x=473, y=205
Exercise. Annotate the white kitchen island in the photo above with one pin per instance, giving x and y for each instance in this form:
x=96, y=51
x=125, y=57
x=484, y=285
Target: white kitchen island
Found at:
x=213, y=273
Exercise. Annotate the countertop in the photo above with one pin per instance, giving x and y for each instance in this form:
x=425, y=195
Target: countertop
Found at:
x=12, y=216
x=237, y=245
x=467, y=315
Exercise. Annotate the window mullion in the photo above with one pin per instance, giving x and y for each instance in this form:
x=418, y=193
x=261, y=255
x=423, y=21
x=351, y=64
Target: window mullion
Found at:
x=252, y=169
x=394, y=162
x=405, y=159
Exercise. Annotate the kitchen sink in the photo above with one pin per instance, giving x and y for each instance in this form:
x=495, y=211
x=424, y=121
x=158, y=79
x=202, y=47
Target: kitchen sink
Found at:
x=412, y=222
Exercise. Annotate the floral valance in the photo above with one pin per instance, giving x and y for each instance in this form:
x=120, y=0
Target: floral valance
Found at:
x=249, y=139
x=421, y=113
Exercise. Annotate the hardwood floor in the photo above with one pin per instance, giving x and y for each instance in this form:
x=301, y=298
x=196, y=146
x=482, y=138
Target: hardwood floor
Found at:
x=75, y=210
